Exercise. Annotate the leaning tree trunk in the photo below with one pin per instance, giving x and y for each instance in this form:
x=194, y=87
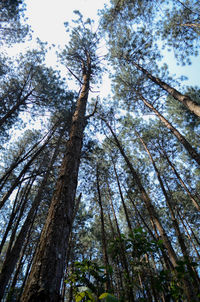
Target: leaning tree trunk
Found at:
x=43, y=284
x=193, y=153
x=14, y=250
x=195, y=203
x=122, y=254
x=122, y=199
x=103, y=234
x=26, y=167
x=183, y=99
x=180, y=238
x=147, y=201
x=20, y=102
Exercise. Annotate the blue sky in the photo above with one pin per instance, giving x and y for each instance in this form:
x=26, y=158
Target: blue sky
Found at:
x=48, y=16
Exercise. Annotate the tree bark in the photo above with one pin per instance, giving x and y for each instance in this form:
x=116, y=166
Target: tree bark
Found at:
x=103, y=233
x=195, y=203
x=146, y=199
x=183, y=99
x=122, y=199
x=193, y=153
x=190, y=292
x=43, y=284
x=14, y=251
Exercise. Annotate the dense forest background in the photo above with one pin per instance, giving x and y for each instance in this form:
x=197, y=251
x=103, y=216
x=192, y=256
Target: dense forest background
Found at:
x=99, y=196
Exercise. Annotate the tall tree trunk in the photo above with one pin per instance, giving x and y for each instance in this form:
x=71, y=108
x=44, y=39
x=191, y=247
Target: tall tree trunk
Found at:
x=122, y=250
x=188, y=234
x=193, y=153
x=69, y=248
x=14, y=252
x=103, y=234
x=195, y=203
x=47, y=270
x=24, y=170
x=183, y=99
x=147, y=201
x=191, y=269
x=122, y=199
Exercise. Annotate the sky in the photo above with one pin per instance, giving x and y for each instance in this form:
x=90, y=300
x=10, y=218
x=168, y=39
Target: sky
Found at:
x=47, y=18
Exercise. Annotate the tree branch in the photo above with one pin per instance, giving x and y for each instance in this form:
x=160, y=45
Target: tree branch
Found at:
x=74, y=75
x=95, y=109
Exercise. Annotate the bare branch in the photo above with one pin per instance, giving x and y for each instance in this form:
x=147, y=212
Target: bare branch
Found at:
x=95, y=109
x=74, y=75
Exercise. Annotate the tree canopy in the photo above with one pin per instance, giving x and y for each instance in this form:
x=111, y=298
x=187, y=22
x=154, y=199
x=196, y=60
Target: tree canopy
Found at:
x=99, y=196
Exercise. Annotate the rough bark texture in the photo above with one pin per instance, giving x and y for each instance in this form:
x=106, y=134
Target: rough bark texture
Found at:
x=184, y=99
x=43, y=284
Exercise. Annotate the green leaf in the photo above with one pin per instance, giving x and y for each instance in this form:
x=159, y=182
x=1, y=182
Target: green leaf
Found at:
x=80, y=296
x=108, y=297
x=104, y=295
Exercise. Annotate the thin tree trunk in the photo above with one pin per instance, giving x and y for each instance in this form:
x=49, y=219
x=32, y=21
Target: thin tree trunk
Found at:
x=193, y=153
x=190, y=289
x=183, y=99
x=103, y=233
x=191, y=230
x=195, y=203
x=19, y=160
x=188, y=235
x=155, y=237
x=16, y=107
x=20, y=209
x=122, y=199
x=11, y=219
x=123, y=253
x=43, y=284
x=145, y=197
x=13, y=255
x=20, y=264
x=22, y=173
x=118, y=271
x=25, y=278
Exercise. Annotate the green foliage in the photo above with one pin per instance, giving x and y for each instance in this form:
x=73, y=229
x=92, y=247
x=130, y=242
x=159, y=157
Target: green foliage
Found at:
x=81, y=50
x=11, y=28
x=89, y=279
x=175, y=24
x=137, y=243
x=108, y=297
x=89, y=274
